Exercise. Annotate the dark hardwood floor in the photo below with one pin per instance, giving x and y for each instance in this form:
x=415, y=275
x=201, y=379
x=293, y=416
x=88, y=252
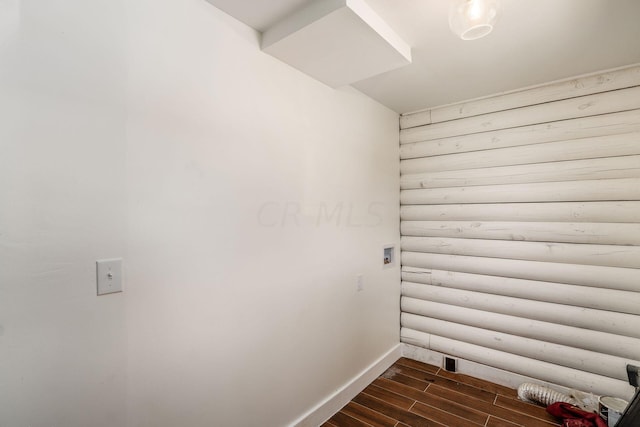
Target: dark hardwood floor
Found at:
x=413, y=394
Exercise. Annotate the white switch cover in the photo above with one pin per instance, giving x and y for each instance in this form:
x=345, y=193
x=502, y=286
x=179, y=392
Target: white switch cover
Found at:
x=109, y=275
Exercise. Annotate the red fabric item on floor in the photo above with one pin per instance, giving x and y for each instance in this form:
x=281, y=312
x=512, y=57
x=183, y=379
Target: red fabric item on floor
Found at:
x=574, y=416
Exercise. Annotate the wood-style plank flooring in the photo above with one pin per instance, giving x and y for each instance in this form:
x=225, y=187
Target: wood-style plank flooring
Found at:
x=414, y=394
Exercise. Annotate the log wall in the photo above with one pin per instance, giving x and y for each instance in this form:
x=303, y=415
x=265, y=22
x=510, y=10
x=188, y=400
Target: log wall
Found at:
x=520, y=225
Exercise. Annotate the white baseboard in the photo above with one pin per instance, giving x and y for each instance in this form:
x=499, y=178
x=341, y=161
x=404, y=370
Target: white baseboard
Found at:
x=332, y=404
x=474, y=369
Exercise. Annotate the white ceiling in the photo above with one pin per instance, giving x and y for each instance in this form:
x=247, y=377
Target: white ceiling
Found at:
x=534, y=41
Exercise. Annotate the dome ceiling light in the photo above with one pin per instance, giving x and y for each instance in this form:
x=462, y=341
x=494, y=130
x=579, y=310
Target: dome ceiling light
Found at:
x=473, y=19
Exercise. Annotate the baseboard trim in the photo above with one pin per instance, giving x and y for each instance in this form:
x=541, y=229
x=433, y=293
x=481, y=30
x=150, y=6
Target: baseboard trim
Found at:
x=333, y=403
x=474, y=369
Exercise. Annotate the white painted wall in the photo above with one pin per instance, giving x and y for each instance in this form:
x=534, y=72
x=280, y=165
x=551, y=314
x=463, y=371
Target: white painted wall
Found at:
x=62, y=205
x=244, y=197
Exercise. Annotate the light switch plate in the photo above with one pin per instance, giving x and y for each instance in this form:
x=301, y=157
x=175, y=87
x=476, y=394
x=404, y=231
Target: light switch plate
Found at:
x=109, y=275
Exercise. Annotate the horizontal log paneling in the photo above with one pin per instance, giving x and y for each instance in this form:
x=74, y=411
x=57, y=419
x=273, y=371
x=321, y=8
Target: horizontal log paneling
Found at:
x=570, y=88
x=564, y=130
x=583, y=106
x=603, y=255
x=419, y=118
x=545, y=371
x=578, y=232
x=579, y=317
x=520, y=224
x=559, y=293
x=603, y=342
x=573, y=170
x=598, y=363
x=624, y=279
x=625, y=144
x=577, y=191
x=625, y=211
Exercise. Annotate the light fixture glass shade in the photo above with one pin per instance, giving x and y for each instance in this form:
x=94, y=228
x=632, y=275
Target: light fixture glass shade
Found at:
x=472, y=19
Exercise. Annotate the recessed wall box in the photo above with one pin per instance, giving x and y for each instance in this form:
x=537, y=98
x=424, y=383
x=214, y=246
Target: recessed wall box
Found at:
x=388, y=256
